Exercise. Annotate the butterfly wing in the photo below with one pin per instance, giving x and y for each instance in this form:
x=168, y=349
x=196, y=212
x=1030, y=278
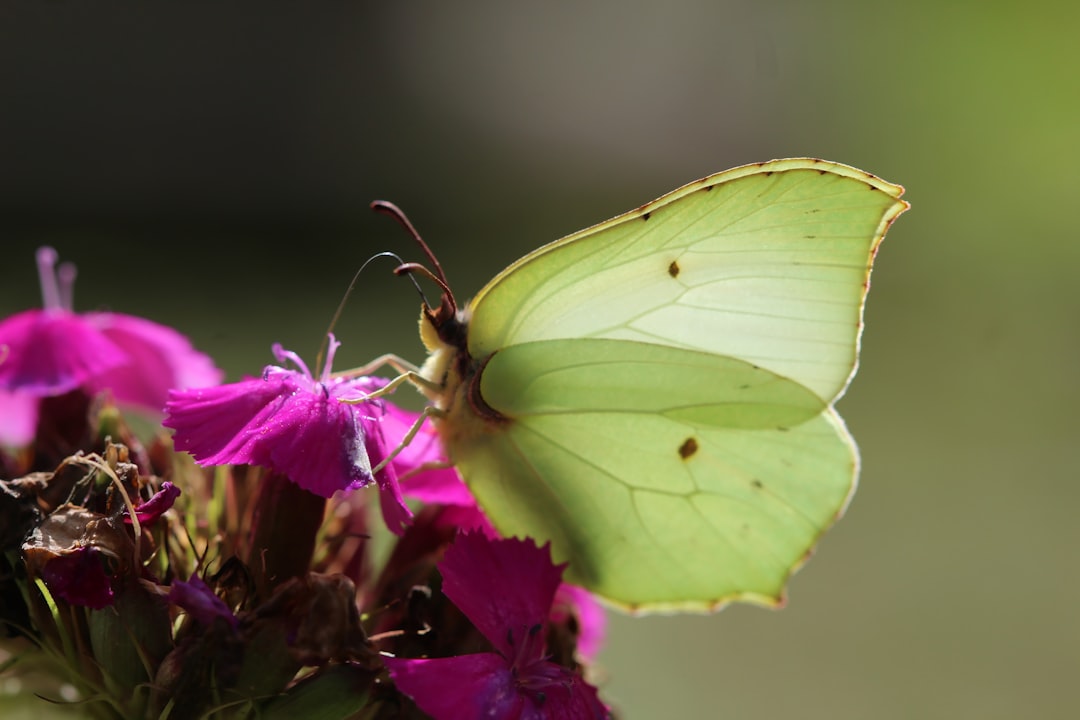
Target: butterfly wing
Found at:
x=663, y=382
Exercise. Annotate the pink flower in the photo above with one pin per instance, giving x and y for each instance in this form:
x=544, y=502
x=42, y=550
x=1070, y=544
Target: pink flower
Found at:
x=506, y=589
x=424, y=473
x=53, y=351
x=295, y=425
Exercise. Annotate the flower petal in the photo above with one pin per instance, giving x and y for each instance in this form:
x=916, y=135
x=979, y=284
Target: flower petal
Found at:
x=310, y=437
x=199, y=601
x=396, y=514
x=51, y=352
x=460, y=688
x=575, y=601
x=18, y=418
x=437, y=485
x=566, y=697
x=153, y=508
x=158, y=359
x=505, y=587
x=79, y=577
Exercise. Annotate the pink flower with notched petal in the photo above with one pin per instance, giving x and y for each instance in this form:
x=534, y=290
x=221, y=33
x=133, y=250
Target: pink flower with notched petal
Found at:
x=291, y=423
x=506, y=588
x=54, y=350
x=424, y=474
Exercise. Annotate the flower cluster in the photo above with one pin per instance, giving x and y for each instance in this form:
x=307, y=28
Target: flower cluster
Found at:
x=232, y=564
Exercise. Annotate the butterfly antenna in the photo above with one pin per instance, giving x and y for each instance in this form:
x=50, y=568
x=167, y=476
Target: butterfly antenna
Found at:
x=389, y=208
x=448, y=306
x=345, y=297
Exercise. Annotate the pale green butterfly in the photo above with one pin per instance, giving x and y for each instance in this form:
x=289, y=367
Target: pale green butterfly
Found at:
x=654, y=394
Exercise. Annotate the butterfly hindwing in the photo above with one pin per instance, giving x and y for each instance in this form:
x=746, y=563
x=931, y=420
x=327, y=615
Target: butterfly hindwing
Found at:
x=668, y=478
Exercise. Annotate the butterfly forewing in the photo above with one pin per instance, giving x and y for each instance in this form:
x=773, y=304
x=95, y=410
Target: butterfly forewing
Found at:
x=770, y=267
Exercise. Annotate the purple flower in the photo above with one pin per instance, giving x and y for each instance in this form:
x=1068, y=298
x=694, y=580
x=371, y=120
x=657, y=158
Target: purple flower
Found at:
x=54, y=350
x=295, y=425
x=506, y=588
x=199, y=601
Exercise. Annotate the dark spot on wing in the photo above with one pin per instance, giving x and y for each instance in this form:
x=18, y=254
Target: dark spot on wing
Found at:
x=757, y=483
x=673, y=269
x=810, y=237
x=709, y=187
x=645, y=216
x=688, y=448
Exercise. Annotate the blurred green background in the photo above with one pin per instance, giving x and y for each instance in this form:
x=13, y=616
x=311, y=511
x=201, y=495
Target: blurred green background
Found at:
x=210, y=168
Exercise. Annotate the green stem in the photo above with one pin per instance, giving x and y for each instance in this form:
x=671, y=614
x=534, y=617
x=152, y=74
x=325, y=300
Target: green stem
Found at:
x=285, y=524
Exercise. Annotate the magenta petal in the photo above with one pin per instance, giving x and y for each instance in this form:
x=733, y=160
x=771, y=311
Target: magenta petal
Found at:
x=396, y=514
x=591, y=620
x=468, y=518
x=311, y=437
x=158, y=359
x=49, y=352
x=505, y=587
x=484, y=687
x=439, y=485
x=565, y=697
x=79, y=578
x=18, y=418
x=153, y=508
x=460, y=688
x=214, y=424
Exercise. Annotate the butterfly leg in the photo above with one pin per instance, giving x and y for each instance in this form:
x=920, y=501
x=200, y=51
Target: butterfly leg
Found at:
x=428, y=412
x=399, y=364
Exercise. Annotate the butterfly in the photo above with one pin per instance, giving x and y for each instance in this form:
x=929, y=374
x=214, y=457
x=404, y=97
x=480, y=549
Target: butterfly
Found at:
x=654, y=395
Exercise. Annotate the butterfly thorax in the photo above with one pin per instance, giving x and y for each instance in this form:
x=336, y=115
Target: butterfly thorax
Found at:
x=455, y=377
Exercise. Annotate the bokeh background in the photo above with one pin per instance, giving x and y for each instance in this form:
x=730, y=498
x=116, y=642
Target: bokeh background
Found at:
x=210, y=167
